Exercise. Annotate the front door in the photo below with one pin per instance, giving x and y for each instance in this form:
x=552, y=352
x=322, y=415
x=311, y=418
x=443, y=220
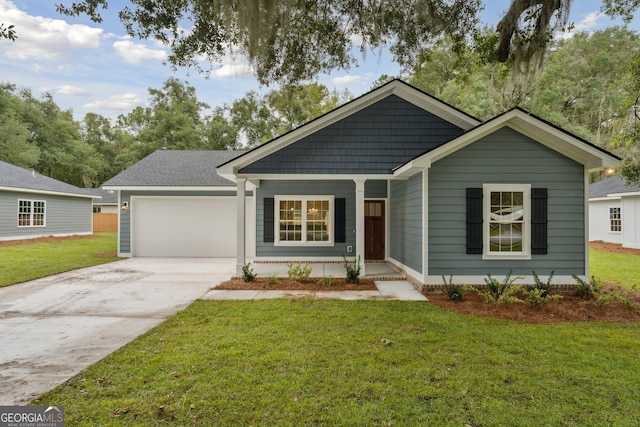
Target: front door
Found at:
x=374, y=230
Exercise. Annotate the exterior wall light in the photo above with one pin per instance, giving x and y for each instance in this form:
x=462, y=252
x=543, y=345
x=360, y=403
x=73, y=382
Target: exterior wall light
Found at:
x=125, y=206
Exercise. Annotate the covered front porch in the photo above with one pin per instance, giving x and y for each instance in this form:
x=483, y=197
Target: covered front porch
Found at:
x=355, y=223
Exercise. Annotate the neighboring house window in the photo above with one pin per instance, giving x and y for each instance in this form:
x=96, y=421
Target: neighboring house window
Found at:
x=97, y=209
x=31, y=213
x=507, y=220
x=615, y=219
x=304, y=220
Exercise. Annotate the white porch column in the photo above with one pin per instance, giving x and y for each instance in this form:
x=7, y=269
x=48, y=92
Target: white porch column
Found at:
x=360, y=223
x=241, y=226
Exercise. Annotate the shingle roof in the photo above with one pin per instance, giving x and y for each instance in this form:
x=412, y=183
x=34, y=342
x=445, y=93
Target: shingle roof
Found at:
x=176, y=168
x=13, y=176
x=108, y=197
x=611, y=185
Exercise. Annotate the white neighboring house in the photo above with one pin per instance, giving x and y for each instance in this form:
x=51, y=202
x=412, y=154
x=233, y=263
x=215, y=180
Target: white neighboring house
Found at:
x=614, y=212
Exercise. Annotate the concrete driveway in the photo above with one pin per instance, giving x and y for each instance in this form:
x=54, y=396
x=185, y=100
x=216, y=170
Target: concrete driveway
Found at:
x=52, y=328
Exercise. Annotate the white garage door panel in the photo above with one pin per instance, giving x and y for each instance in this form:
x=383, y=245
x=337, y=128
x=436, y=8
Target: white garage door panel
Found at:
x=184, y=227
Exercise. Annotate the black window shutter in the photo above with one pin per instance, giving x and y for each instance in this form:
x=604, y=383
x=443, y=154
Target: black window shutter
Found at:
x=539, y=221
x=268, y=225
x=474, y=220
x=339, y=216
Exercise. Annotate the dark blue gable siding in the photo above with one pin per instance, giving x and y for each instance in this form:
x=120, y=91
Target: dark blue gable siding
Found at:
x=372, y=141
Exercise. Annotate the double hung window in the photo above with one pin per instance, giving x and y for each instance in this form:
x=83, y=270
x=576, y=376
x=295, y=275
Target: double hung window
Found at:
x=304, y=220
x=31, y=213
x=507, y=220
x=615, y=220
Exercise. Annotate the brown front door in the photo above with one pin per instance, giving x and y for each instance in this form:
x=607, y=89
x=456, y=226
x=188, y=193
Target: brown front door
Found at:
x=374, y=230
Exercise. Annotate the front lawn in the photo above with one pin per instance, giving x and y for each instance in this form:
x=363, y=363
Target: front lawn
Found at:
x=618, y=268
x=32, y=260
x=360, y=363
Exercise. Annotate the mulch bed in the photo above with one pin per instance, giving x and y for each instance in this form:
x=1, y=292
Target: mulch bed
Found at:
x=286, y=284
x=613, y=247
x=568, y=309
x=47, y=239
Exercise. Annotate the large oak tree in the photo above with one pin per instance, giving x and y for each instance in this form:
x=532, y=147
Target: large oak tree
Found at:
x=293, y=40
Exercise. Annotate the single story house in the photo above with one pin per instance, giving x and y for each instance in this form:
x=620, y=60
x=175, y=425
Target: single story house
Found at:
x=614, y=212
x=395, y=175
x=33, y=205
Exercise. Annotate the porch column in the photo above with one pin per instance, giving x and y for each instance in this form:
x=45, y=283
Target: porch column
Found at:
x=241, y=226
x=360, y=223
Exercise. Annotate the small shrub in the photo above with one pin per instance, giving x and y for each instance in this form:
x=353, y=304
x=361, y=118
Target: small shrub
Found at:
x=454, y=292
x=539, y=297
x=299, y=273
x=327, y=281
x=501, y=292
x=247, y=273
x=272, y=279
x=352, y=269
x=607, y=297
x=588, y=290
x=596, y=292
x=545, y=288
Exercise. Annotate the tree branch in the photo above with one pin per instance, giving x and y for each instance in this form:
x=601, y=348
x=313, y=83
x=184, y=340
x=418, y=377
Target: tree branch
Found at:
x=509, y=23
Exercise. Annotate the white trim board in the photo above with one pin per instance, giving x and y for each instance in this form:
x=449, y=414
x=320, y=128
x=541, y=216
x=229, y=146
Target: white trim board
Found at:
x=230, y=188
x=52, y=193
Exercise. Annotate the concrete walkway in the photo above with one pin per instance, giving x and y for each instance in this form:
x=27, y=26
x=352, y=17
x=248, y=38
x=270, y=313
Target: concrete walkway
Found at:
x=387, y=290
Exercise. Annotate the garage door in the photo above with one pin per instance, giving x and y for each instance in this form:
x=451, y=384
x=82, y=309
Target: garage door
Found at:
x=183, y=226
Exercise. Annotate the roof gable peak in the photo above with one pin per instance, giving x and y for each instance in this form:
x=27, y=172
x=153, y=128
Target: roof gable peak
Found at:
x=529, y=125
x=395, y=87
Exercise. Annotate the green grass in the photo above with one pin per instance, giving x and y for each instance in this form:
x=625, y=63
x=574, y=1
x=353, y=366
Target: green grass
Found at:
x=34, y=260
x=359, y=363
x=610, y=267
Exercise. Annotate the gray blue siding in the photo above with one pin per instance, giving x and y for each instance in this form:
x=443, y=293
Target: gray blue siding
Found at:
x=375, y=189
x=125, y=216
x=372, y=141
x=511, y=158
x=405, y=203
x=338, y=189
x=64, y=215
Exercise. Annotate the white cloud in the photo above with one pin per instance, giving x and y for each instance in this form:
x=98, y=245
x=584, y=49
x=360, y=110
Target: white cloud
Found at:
x=231, y=65
x=45, y=38
x=125, y=101
x=346, y=80
x=72, y=90
x=590, y=21
x=231, y=70
x=133, y=53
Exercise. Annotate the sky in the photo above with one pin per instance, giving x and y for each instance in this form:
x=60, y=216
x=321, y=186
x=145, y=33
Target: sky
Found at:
x=90, y=67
